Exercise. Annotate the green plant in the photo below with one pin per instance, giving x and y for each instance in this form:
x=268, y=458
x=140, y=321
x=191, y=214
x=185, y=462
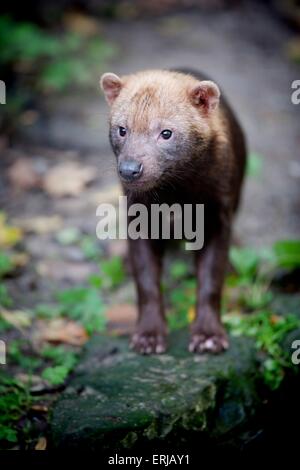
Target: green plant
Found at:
x=178, y=270
x=5, y=299
x=63, y=362
x=90, y=247
x=182, y=300
x=286, y=253
x=268, y=331
x=54, y=61
x=6, y=264
x=113, y=272
x=14, y=402
x=245, y=262
x=85, y=305
x=255, y=296
x=20, y=353
x=43, y=61
x=47, y=310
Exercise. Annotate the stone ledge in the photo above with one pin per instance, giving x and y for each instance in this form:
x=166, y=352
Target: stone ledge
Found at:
x=118, y=399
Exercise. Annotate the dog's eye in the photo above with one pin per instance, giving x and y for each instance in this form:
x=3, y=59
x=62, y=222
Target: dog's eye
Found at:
x=122, y=131
x=166, y=134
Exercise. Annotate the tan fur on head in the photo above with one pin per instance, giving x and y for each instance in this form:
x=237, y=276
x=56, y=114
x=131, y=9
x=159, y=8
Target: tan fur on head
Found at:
x=204, y=93
x=148, y=102
x=145, y=96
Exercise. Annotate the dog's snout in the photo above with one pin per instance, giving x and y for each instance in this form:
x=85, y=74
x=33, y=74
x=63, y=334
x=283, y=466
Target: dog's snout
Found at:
x=130, y=170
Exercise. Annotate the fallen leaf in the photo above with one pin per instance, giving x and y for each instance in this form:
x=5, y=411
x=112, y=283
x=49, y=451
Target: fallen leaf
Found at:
x=68, y=179
x=41, y=444
x=9, y=236
x=275, y=319
x=22, y=175
x=60, y=330
x=191, y=314
x=18, y=318
x=20, y=259
x=125, y=314
x=64, y=270
x=40, y=224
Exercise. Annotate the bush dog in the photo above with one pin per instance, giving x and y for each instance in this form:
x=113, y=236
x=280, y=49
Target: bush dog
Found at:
x=176, y=140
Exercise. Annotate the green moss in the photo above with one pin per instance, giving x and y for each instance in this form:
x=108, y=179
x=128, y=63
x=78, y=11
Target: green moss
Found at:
x=135, y=399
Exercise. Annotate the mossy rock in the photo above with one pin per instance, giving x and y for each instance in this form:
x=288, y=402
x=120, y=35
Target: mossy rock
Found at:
x=117, y=399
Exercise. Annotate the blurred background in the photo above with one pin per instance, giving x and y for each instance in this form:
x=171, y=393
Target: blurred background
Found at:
x=58, y=283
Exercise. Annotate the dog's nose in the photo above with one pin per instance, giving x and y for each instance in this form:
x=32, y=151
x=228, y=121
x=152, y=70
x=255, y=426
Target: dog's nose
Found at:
x=130, y=170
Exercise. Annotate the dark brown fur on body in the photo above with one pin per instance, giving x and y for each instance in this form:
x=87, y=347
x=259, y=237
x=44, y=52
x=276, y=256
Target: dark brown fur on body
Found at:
x=204, y=163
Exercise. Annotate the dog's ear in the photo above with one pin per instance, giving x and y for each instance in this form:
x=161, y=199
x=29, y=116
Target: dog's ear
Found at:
x=205, y=94
x=111, y=85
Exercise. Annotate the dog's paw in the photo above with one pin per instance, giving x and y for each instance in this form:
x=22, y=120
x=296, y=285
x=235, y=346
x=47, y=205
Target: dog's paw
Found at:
x=214, y=344
x=145, y=343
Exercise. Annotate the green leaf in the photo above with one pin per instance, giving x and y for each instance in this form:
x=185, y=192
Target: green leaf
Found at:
x=63, y=363
x=14, y=402
x=113, y=271
x=8, y=434
x=178, y=270
x=84, y=305
x=6, y=264
x=55, y=375
x=47, y=311
x=268, y=331
x=5, y=299
x=287, y=253
x=245, y=261
x=90, y=247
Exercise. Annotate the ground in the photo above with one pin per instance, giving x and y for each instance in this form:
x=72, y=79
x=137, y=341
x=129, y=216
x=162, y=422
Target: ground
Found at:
x=244, y=51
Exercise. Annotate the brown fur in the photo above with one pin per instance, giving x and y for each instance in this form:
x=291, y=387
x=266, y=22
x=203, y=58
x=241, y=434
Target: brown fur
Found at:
x=203, y=163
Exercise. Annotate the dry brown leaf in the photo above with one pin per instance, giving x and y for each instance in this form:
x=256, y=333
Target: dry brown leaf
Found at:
x=61, y=330
x=68, y=179
x=41, y=444
x=40, y=224
x=275, y=319
x=20, y=259
x=122, y=314
x=23, y=176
